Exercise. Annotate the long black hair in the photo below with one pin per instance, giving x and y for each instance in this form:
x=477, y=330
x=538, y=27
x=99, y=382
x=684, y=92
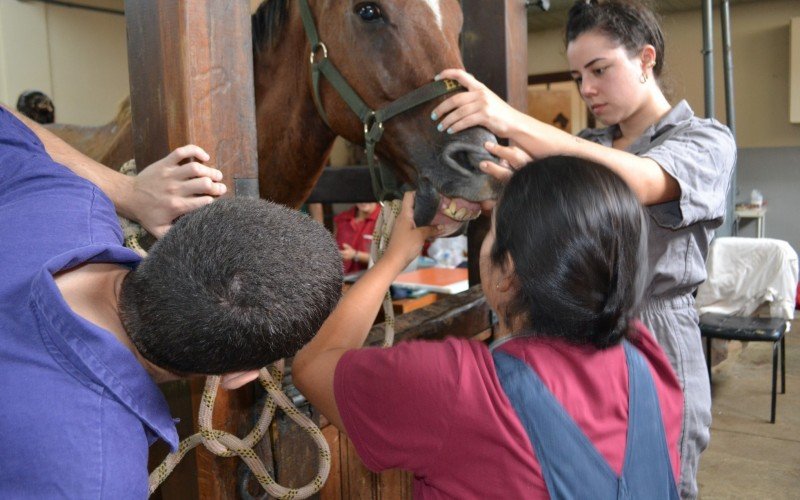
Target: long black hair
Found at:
x=577, y=236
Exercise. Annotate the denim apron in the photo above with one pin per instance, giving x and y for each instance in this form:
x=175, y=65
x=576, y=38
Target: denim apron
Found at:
x=571, y=465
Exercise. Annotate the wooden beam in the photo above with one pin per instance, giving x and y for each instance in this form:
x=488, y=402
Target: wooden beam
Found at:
x=343, y=185
x=191, y=73
x=495, y=50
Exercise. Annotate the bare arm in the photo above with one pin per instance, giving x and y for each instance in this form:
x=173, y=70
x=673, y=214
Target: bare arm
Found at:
x=480, y=106
x=347, y=327
x=161, y=193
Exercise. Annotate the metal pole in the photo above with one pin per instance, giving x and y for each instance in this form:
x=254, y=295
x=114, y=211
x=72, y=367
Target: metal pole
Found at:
x=727, y=51
x=708, y=57
x=730, y=112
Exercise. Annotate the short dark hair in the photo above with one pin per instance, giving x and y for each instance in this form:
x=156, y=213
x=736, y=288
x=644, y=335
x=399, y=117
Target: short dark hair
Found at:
x=577, y=236
x=233, y=286
x=629, y=22
x=37, y=106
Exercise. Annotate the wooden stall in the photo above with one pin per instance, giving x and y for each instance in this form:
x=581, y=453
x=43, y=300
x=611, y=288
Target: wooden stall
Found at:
x=192, y=82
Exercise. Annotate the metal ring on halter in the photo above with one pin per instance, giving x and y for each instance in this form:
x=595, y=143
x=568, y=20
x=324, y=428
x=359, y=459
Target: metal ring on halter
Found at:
x=369, y=122
x=315, y=49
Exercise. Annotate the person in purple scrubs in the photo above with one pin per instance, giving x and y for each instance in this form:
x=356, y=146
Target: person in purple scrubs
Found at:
x=88, y=328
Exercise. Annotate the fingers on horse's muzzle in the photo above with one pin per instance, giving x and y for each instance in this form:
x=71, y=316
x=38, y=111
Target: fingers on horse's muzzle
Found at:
x=462, y=177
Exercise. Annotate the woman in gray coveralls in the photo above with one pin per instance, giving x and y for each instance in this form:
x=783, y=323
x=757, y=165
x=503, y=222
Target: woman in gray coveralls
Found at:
x=679, y=166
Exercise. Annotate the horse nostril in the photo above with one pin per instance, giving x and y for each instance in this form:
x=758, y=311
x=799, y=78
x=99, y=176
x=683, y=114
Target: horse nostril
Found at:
x=465, y=156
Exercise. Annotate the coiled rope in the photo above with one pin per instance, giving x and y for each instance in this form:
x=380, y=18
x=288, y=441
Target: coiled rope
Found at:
x=224, y=444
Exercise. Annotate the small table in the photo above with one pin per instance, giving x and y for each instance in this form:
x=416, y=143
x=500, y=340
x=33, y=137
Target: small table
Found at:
x=750, y=212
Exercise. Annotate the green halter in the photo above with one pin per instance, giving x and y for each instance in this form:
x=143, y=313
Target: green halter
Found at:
x=384, y=183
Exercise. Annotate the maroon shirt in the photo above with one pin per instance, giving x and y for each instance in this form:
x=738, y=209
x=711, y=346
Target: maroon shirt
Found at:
x=438, y=410
x=356, y=233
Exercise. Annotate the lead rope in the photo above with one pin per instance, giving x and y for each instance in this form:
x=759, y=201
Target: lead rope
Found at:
x=224, y=444
x=380, y=241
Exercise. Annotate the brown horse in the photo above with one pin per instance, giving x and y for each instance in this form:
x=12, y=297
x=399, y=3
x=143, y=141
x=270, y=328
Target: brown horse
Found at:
x=110, y=144
x=384, y=50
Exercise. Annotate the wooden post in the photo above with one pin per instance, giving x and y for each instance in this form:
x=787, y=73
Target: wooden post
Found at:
x=495, y=50
x=191, y=73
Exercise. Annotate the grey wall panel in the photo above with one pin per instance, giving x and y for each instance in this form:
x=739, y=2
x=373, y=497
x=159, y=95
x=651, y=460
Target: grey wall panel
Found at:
x=776, y=173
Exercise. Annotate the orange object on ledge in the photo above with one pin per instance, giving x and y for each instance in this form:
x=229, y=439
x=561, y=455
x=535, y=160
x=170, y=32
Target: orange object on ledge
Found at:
x=436, y=279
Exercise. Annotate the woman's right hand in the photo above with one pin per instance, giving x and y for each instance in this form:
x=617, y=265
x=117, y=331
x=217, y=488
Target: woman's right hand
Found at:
x=478, y=106
x=407, y=239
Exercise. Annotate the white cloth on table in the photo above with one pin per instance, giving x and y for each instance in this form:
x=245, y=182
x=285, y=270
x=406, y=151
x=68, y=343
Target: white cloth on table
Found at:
x=743, y=273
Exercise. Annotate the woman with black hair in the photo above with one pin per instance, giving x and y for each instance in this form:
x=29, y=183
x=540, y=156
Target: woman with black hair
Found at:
x=678, y=165
x=560, y=268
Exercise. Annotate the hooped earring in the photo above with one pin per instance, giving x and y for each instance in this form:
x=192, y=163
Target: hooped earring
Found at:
x=643, y=78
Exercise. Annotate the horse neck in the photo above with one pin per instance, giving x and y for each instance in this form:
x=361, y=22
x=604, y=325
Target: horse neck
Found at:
x=293, y=141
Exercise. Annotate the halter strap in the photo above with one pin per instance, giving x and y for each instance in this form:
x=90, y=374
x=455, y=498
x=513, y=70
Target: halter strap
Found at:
x=384, y=183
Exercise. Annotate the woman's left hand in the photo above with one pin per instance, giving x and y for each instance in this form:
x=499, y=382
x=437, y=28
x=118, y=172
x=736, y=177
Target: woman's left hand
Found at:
x=512, y=159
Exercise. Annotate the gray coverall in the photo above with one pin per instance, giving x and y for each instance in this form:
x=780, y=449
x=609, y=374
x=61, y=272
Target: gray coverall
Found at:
x=700, y=155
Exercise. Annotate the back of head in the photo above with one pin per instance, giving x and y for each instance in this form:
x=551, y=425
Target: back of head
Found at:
x=232, y=286
x=577, y=235
x=629, y=22
x=37, y=106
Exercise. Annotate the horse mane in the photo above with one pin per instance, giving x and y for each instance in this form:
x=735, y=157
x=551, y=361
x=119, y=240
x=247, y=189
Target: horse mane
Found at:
x=267, y=22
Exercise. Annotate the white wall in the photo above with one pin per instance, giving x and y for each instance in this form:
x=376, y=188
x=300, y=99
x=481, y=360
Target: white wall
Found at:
x=77, y=57
x=760, y=40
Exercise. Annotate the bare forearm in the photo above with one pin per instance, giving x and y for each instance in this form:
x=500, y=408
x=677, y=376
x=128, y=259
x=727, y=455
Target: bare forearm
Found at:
x=645, y=177
x=346, y=329
x=348, y=326
x=117, y=186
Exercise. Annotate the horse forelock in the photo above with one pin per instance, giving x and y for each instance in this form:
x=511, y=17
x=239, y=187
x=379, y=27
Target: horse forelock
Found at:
x=267, y=22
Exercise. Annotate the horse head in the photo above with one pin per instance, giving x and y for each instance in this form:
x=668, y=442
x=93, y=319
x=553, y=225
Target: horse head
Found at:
x=384, y=50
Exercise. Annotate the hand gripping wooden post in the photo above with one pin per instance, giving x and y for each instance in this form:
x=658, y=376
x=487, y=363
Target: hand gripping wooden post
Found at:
x=191, y=75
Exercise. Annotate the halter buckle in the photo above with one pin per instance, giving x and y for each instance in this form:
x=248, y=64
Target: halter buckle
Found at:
x=316, y=48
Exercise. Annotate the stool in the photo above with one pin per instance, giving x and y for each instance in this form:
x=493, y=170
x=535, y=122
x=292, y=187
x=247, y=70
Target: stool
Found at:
x=748, y=329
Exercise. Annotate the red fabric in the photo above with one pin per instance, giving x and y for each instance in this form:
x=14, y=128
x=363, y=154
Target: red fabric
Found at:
x=438, y=410
x=352, y=231
x=797, y=298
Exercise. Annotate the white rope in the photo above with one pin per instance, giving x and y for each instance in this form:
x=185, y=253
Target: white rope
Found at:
x=222, y=443
x=380, y=241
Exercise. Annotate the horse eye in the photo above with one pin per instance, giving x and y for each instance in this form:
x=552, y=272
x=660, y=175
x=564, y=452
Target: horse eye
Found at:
x=369, y=11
